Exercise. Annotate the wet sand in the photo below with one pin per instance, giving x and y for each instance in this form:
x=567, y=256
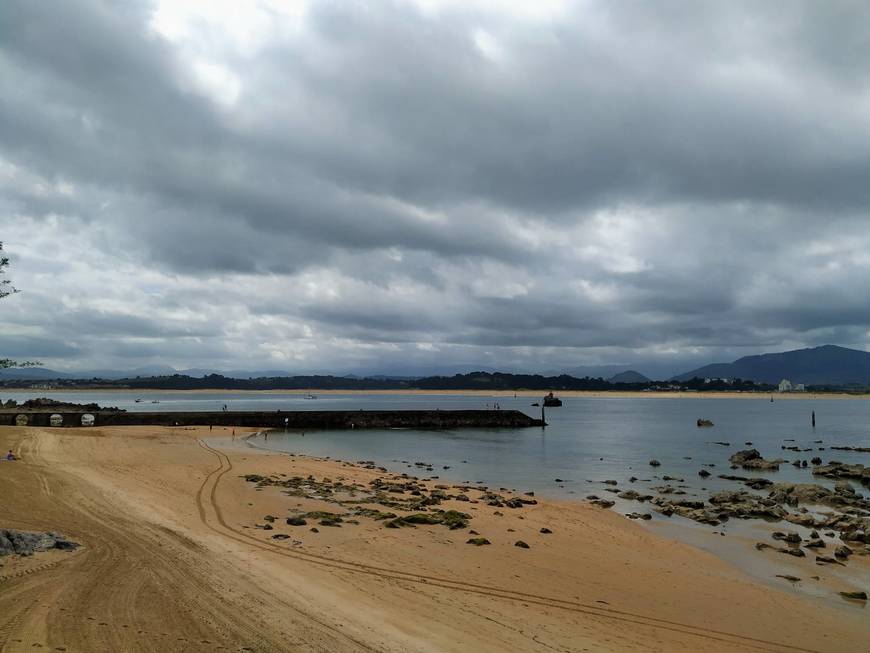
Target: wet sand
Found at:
x=172, y=560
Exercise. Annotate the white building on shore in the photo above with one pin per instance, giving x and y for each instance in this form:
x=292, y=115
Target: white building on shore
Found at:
x=787, y=386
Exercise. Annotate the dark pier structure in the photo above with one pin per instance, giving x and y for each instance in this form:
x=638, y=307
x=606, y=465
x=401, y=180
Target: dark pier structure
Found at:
x=315, y=419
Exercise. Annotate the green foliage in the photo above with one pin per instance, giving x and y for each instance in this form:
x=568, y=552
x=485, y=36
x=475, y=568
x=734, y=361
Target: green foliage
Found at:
x=6, y=289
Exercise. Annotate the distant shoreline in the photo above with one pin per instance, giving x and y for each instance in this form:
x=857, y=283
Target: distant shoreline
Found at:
x=603, y=394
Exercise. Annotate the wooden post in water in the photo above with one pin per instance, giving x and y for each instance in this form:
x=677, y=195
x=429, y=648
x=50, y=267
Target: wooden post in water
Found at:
x=543, y=417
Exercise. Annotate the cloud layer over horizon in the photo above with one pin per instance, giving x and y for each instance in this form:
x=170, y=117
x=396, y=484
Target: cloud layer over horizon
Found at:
x=417, y=186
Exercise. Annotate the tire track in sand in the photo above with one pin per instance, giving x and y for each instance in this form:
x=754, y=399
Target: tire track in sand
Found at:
x=225, y=465
x=213, y=502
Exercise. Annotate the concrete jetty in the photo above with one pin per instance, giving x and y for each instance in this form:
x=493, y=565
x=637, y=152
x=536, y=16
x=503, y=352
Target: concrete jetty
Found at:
x=314, y=419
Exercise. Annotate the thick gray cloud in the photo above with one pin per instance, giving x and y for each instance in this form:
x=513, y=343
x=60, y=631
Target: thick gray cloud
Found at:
x=408, y=186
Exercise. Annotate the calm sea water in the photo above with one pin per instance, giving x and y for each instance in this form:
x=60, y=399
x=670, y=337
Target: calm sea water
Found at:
x=588, y=440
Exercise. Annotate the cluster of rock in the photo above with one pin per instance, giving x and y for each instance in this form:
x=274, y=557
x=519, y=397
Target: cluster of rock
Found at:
x=25, y=543
x=775, y=502
x=836, y=469
x=852, y=520
x=794, y=541
x=400, y=492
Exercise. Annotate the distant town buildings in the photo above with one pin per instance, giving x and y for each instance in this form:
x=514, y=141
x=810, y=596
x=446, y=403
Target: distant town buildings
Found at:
x=787, y=386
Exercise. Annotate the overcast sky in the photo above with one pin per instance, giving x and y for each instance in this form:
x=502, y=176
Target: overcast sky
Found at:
x=421, y=185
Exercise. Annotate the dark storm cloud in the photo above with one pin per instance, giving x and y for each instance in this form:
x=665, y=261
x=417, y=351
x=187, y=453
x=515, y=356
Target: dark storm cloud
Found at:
x=381, y=184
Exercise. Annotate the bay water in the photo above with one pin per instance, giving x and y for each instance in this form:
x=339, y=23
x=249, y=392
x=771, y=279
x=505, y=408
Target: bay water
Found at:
x=588, y=440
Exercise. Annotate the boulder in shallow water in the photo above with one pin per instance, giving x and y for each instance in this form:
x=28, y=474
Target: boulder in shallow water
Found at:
x=743, y=456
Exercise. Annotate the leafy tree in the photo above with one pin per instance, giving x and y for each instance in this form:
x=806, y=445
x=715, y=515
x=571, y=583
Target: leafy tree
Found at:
x=6, y=289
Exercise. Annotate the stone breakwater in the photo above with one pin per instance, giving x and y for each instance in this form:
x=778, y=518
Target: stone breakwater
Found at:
x=315, y=419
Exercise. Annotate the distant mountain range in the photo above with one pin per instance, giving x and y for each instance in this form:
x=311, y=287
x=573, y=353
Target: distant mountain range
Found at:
x=825, y=365
x=43, y=373
x=629, y=376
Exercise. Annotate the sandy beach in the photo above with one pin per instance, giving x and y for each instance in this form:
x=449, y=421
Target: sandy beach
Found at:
x=176, y=556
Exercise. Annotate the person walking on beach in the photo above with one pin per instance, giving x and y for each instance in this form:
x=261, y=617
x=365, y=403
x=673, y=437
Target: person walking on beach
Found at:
x=10, y=456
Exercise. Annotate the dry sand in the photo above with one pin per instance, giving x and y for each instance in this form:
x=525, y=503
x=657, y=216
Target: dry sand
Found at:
x=171, y=562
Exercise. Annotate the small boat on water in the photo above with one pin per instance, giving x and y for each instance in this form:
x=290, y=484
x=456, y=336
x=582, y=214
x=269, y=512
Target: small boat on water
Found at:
x=704, y=423
x=155, y=401
x=551, y=401
x=138, y=401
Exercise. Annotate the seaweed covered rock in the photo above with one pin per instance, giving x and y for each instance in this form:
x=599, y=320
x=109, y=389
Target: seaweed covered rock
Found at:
x=836, y=469
x=751, y=459
x=453, y=519
x=854, y=596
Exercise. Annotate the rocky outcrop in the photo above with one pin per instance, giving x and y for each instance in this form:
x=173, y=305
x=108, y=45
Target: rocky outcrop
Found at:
x=751, y=459
x=26, y=543
x=835, y=469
